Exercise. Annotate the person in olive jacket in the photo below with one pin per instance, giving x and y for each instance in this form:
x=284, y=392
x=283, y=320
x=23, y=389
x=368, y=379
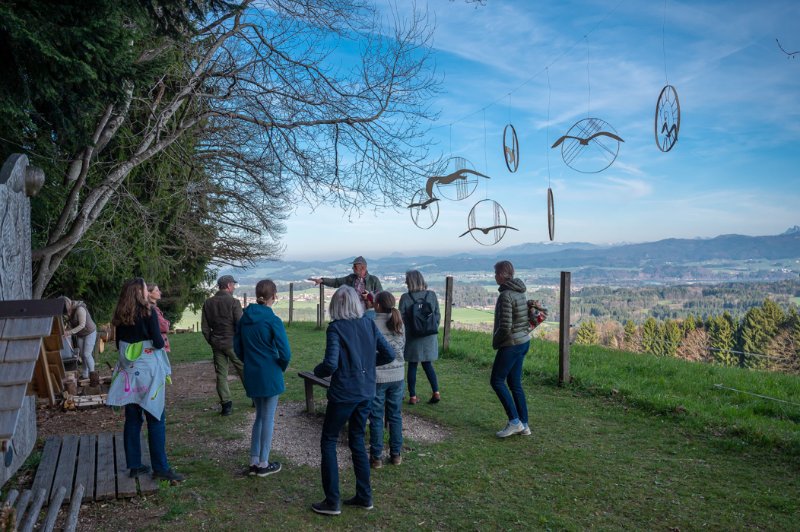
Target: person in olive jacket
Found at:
x=354, y=346
x=263, y=347
x=511, y=337
x=220, y=314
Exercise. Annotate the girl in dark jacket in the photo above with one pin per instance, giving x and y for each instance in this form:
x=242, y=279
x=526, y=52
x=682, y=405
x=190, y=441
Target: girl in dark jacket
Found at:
x=354, y=347
x=137, y=324
x=261, y=344
x=511, y=338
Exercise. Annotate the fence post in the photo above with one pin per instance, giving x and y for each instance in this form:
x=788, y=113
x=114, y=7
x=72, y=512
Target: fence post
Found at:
x=321, y=304
x=244, y=301
x=291, y=301
x=563, y=330
x=741, y=359
x=448, y=311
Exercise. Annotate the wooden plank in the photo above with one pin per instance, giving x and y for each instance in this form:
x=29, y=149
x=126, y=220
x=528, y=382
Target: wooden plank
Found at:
x=3, y=347
x=126, y=486
x=146, y=482
x=27, y=327
x=11, y=396
x=87, y=450
x=54, y=359
x=23, y=350
x=11, y=497
x=52, y=512
x=105, y=483
x=22, y=505
x=65, y=471
x=47, y=465
x=71, y=522
x=16, y=373
x=8, y=423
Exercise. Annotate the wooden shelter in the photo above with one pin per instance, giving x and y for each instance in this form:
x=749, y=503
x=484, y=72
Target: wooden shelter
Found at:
x=31, y=335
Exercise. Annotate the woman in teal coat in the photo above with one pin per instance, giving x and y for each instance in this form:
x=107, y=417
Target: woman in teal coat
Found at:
x=262, y=345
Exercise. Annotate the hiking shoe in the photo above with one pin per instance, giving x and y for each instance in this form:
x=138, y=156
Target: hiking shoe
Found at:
x=413, y=400
x=227, y=408
x=171, y=475
x=252, y=470
x=375, y=463
x=511, y=429
x=325, y=509
x=272, y=467
x=141, y=470
x=526, y=430
x=396, y=459
x=358, y=503
x=435, y=398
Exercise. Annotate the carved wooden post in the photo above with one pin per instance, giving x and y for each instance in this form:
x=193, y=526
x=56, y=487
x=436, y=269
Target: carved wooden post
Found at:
x=563, y=331
x=448, y=311
x=321, y=319
x=291, y=301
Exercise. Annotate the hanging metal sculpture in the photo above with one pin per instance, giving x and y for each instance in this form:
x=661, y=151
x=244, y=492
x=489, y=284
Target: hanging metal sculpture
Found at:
x=511, y=148
x=424, y=210
x=551, y=214
x=484, y=211
x=591, y=145
x=459, y=184
x=668, y=118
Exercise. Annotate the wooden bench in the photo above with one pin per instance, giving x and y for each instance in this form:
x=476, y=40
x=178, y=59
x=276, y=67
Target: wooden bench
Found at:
x=310, y=380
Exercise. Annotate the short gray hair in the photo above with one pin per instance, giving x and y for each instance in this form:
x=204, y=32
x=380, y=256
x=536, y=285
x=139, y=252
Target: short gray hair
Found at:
x=505, y=269
x=346, y=304
x=415, y=281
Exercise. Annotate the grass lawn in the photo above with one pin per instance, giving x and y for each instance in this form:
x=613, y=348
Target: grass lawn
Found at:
x=634, y=442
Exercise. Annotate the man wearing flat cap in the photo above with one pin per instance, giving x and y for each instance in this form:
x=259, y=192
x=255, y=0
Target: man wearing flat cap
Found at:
x=221, y=313
x=365, y=284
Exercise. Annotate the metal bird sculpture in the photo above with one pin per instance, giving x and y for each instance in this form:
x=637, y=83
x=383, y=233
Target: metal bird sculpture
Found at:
x=487, y=229
x=424, y=204
x=462, y=173
x=585, y=142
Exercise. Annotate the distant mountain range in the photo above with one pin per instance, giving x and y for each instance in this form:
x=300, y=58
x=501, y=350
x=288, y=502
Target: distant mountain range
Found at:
x=672, y=258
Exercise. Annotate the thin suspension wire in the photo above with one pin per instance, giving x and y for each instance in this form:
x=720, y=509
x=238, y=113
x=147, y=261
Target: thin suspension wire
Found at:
x=485, y=157
x=588, y=81
x=538, y=72
x=664, y=41
x=451, y=140
x=547, y=128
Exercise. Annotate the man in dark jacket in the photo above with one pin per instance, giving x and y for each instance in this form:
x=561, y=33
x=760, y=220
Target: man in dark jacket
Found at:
x=221, y=313
x=367, y=285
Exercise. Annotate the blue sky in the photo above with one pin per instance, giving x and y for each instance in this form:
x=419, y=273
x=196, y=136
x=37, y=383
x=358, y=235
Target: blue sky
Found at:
x=735, y=168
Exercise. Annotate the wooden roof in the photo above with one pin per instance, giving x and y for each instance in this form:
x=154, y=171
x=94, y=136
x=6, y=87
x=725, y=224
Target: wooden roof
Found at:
x=23, y=324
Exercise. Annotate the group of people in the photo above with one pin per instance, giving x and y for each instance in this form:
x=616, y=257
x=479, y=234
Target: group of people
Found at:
x=368, y=341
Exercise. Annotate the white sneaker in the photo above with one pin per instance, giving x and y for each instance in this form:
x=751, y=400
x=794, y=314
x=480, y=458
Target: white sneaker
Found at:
x=526, y=430
x=511, y=429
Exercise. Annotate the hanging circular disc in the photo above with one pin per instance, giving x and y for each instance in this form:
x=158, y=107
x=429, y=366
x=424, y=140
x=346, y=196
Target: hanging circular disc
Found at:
x=423, y=209
x=511, y=148
x=459, y=183
x=551, y=214
x=486, y=223
x=667, y=123
x=591, y=145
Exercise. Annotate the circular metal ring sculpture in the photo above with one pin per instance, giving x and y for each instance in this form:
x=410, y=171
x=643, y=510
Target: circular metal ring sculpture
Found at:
x=490, y=213
x=458, y=184
x=551, y=214
x=511, y=148
x=591, y=145
x=667, y=123
x=424, y=210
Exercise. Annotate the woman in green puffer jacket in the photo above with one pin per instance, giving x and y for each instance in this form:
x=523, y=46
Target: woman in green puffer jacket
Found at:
x=511, y=337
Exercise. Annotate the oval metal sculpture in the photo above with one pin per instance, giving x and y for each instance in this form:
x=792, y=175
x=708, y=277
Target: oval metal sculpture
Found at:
x=511, y=148
x=458, y=184
x=551, y=214
x=486, y=223
x=667, y=123
x=424, y=210
x=591, y=145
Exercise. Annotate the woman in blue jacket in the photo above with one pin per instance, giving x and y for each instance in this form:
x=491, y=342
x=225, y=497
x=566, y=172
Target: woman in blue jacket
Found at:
x=261, y=344
x=354, y=346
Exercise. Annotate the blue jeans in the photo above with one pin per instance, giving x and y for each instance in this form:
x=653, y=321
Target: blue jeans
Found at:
x=156, y=438
x=388, y=398
x=508, y=366
x=261, y=437
x=336, y=415
x=412, y=377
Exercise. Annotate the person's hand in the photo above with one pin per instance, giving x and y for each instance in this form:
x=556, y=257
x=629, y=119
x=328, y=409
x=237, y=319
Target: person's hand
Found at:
x=315, y=280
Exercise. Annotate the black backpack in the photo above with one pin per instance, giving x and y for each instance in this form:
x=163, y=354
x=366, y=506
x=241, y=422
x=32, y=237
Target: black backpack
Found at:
x=422, y=319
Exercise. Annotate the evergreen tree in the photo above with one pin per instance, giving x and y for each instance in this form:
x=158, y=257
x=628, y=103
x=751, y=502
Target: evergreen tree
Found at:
x=587, y=333
x=671, y=337
x=722, y=339
x=650, y=338
x=630, y=336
